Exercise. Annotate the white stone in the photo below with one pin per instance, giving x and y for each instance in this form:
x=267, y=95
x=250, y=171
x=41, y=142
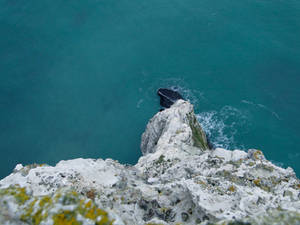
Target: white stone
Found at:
x=18, y=167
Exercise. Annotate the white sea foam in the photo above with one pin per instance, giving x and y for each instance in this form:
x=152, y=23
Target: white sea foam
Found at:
x=192, y=96
x=262, y=107
x=222, y=126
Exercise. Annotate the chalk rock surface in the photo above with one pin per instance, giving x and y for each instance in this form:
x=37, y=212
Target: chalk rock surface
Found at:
x=178, y=180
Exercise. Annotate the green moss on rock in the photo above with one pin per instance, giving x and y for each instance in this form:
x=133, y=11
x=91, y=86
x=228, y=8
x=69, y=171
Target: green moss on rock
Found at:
x=199, y=136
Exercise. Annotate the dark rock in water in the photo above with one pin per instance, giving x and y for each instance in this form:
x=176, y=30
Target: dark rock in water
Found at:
x=168, y=97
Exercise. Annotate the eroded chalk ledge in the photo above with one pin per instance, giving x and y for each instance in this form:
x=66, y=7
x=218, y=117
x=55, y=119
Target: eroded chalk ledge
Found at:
x=178, y=180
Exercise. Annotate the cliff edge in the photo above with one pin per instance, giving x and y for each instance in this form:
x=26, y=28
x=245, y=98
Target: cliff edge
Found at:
x=178, y=180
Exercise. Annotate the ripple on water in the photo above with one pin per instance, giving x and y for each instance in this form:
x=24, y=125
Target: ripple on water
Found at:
x=223, y=126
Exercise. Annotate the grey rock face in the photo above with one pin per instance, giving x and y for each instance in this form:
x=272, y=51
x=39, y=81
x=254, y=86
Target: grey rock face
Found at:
x=174, y=126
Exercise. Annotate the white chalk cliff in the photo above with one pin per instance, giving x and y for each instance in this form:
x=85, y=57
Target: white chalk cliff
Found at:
x=178, y=180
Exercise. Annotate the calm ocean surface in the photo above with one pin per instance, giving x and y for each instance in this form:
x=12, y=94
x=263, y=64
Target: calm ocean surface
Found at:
x=78, y=78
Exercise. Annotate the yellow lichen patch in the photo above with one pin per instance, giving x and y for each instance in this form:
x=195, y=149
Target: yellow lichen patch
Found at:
x=257, y=182
x=74, y=193
x=70, y=198
x=18, y=193
x=65, y=218
x=21, y=195
x=90, y=211
x=232, y=188
x=88, y=204
x=91, y=214
x=57, y=196
x=201, y=182
x=105, y=221
x=251, y=163
x=45, y=200
x=36, y=210
x=257, y=154
x=28, y=210
x=41, y=214
x=36, y=216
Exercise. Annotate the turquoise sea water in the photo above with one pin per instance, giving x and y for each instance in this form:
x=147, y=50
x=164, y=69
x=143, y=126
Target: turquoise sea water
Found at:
x=78, y=78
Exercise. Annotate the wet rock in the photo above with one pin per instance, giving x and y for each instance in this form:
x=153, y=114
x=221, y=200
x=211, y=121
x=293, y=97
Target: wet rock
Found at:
x=168, y=97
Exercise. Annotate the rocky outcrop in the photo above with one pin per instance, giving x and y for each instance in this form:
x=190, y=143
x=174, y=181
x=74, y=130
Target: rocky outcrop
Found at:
x=178, y=180
x=176, y=127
